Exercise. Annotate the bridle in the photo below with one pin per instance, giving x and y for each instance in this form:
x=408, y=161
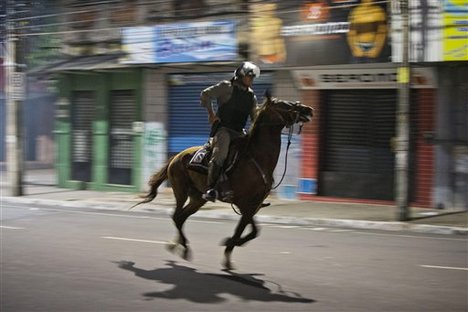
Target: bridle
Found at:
x=290, y=133
x=284, y=122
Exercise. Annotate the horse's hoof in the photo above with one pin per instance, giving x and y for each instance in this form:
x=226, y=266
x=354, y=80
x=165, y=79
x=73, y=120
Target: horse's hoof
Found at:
x=228, y=265
x=182, y=251
x=187, y=254
x=171, y=246
x=227, y=242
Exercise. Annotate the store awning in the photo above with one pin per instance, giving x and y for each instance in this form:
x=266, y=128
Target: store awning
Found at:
x=81, y=63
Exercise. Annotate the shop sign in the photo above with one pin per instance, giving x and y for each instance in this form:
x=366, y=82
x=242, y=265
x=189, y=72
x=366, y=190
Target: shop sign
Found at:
x=312, y=79
x=323, y=32
x=138, y=43
x=438, y=31
x=181, y=42
x=195, y=42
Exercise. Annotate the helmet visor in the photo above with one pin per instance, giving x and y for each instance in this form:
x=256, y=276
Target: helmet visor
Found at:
x=251, y=69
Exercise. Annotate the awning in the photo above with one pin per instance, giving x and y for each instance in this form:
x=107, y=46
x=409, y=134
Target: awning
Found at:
x=81, y=63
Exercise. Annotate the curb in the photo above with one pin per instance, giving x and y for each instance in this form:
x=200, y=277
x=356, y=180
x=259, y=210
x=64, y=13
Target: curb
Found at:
x=222, y=214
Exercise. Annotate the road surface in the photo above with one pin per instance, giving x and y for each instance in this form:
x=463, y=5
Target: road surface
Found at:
x=73, y=259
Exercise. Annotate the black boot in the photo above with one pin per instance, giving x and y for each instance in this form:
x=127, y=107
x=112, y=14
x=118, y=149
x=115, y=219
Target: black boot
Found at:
x=214, y=172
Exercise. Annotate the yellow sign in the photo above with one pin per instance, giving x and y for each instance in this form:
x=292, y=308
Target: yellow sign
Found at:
x=403, y=75
x=455, y=33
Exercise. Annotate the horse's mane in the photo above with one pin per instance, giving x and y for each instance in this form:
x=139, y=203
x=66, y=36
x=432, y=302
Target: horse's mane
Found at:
x=260, y=116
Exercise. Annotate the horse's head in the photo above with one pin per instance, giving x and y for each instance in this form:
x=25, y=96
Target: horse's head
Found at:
x=285, y=113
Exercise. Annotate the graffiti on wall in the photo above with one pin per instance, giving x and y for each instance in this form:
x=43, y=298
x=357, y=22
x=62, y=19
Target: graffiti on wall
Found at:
x=154, y=149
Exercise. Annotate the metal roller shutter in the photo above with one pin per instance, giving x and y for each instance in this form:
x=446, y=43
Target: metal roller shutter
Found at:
x=2, y=128
x=188, y=121
x=83, y=113
x=358, y=160
x=122, y=114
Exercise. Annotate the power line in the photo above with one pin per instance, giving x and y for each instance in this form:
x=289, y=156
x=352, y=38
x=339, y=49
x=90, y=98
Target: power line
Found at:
x=100, y=10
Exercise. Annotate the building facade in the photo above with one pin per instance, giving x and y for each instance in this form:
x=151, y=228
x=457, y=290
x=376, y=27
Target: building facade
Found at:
x=121, y=115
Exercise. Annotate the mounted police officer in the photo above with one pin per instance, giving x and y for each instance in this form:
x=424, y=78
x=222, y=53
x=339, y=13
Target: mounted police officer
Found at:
x=236, y=102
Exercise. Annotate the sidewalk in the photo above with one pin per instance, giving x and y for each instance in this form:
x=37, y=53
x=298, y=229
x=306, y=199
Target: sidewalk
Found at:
x=40, y=190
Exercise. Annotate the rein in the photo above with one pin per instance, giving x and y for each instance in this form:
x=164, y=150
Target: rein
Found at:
x=291, y=130
x=262, y=173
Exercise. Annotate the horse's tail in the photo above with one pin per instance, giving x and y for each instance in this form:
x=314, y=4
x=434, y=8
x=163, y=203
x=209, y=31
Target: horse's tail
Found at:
x=154, y=182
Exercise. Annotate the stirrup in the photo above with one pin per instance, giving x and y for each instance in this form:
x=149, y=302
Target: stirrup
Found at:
x=227, y=196
x=210, y=195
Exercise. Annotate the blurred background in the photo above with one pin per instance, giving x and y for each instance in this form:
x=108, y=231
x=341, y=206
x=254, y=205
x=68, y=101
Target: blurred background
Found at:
x=105, y=91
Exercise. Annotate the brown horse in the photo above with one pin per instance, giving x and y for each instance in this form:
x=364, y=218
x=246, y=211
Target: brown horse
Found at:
x=251, y=180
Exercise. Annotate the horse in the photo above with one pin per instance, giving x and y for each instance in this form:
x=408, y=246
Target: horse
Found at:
x=251, y=180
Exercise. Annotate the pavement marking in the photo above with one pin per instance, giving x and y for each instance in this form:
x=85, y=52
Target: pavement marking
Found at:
x=10, y=227
x=287, y=226
x=135, y=217
x=327, y=229
x=412, y=236
x=135, y=240
x=109, y=214
x=442, y=267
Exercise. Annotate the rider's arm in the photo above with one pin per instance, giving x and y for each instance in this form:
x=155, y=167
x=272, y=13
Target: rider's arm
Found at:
x=220, y=91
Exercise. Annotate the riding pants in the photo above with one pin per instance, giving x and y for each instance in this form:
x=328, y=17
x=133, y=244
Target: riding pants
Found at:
x=221, y=141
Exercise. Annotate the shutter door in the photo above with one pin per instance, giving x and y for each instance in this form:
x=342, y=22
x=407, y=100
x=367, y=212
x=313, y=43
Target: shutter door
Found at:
x=188, y=121
x=188, y=124
x=2, y=128
x=83, y=113
x=122, y=114
x=358, y=160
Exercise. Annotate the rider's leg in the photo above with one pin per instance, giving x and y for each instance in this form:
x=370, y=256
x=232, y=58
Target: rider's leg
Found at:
x=221, y=143
x=214, y=171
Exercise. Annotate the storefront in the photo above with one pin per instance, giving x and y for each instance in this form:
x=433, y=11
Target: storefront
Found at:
x=97, y=133
x=351, y=149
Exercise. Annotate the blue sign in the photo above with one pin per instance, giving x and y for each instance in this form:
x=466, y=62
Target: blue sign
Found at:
x=138, y=43
x=307, y=186
x=195, y=42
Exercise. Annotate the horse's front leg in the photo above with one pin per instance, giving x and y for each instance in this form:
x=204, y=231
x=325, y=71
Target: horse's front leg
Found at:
x=233, y=241
x=253, y=234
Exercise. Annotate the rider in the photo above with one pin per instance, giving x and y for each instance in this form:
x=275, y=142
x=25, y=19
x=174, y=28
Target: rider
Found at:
x=236, y=102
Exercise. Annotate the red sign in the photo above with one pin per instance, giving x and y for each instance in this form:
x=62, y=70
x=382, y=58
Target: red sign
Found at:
x=315, y=12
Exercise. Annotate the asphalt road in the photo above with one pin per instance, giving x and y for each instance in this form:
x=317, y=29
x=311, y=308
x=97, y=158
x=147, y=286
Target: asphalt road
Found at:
x=89, y=260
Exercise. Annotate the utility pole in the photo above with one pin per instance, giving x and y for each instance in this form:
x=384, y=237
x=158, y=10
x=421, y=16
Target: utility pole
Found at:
x=15, y=82
x=403, y=121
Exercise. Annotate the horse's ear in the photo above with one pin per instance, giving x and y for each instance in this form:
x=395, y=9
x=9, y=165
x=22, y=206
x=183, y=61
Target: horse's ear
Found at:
x=268, y=94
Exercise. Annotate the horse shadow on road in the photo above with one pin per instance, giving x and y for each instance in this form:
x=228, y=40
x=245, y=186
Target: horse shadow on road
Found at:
x=201, y=287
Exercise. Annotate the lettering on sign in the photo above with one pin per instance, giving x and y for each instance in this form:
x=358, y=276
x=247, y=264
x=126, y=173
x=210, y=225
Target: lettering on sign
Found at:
x=384, y=78
x=17, y=83
x=365, y=77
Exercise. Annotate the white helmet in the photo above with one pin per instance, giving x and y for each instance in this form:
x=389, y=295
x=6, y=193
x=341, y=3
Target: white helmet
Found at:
x=247, y=69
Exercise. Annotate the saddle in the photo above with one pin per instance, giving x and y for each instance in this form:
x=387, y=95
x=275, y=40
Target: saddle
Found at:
x=201, y=158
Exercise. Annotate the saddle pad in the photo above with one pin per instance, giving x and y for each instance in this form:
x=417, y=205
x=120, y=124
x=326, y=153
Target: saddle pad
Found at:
x=201, y=158
x=199, y=161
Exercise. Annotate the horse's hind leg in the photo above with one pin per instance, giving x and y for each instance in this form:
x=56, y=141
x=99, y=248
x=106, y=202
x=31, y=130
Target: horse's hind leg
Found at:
x=179, y=217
